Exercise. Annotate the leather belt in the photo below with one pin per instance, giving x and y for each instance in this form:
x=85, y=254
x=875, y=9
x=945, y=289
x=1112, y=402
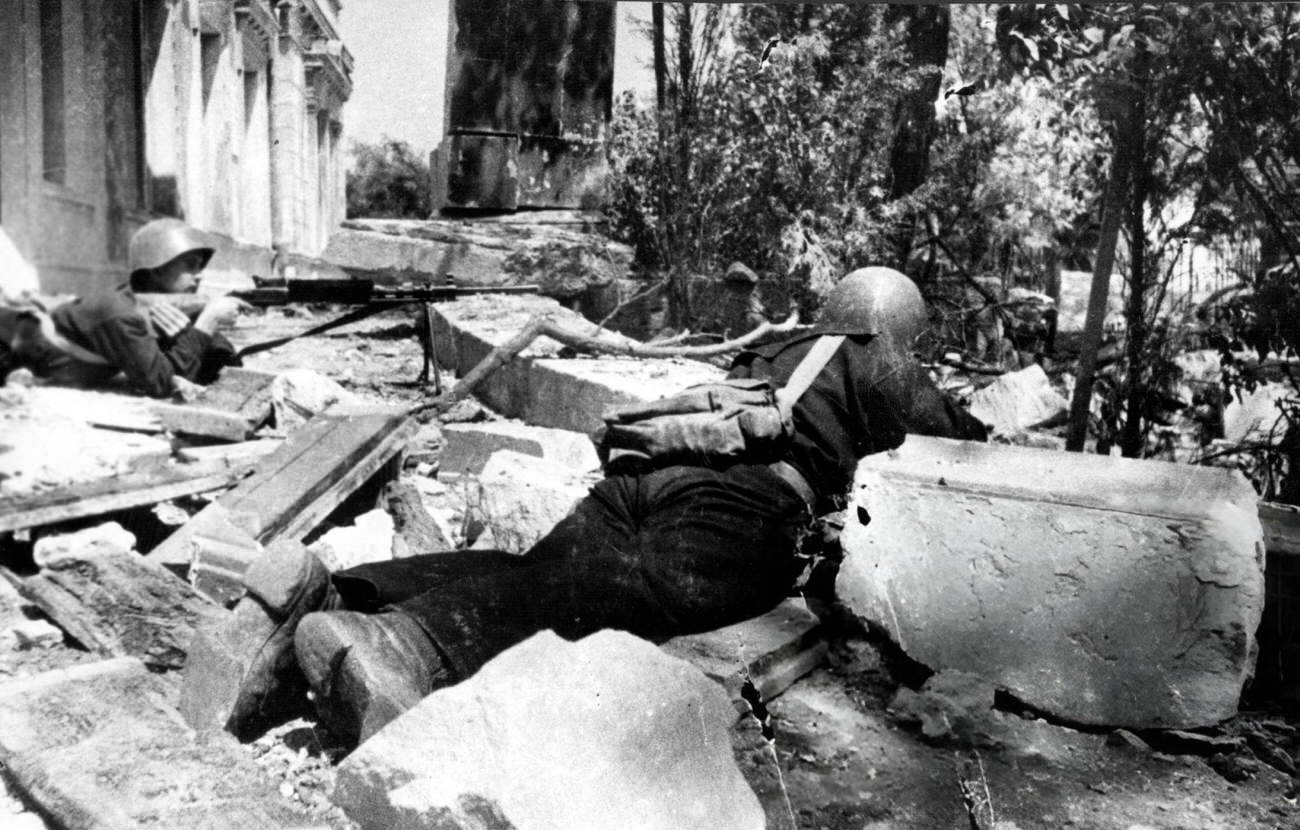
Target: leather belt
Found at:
x=787, y=472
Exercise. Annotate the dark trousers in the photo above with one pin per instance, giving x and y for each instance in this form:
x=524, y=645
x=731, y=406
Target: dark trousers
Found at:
x=674, y=551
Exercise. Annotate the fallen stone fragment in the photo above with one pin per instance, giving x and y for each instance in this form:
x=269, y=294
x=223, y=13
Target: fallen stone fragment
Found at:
x=1018, y=401
x=1099, y=590
x=1254, y=415
x=520, y=498
x=101, y=747
x=469, y=446
x=29, y=634
x=607, y=731
x=1123, y=738
x=770, y=651
x=368, y=539
x=950, y=704
x=107, y=538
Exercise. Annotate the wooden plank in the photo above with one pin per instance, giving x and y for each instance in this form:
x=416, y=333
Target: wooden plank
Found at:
x=118, y=493
x=290, y=493
x=230, y=454
x=232, y=408
x=102, y=747
x=120, y=605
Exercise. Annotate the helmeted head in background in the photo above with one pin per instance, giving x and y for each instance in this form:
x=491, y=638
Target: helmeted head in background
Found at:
x=167, y=255
x=879, y=301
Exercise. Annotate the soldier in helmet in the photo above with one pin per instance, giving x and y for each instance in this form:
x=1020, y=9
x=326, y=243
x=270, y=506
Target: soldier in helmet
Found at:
x=671, y=550
x=87, y=341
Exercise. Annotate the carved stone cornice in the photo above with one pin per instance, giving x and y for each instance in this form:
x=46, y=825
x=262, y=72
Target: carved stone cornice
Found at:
x=259, y=17
x=329, y=75
x=320, y=22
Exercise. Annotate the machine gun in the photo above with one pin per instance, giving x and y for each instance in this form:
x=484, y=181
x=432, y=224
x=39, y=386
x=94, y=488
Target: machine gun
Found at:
x=370, y=299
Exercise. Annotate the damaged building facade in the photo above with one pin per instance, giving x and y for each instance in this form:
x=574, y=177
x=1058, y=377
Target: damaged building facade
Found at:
x=224, y=113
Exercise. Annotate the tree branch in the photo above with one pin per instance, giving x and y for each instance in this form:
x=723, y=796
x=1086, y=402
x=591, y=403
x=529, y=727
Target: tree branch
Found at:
x=544, y=326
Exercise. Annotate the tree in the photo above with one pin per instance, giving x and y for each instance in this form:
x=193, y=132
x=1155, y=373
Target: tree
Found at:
x=388, y=181
x=1198, y=102
x=779, y=163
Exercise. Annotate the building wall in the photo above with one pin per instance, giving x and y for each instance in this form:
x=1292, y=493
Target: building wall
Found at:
x=225, y=113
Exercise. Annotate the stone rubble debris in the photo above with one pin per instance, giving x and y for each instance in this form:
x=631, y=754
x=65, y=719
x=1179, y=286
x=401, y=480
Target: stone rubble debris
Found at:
x=652, y=732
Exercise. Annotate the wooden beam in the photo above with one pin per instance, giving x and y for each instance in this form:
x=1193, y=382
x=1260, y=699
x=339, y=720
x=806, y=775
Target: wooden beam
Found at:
x=122, y=492
x=120, y=605
x=232, y=408
x=289, y=494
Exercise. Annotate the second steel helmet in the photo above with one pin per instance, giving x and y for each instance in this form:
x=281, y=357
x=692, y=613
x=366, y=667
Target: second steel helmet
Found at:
x=161, y=241
x=878, y=301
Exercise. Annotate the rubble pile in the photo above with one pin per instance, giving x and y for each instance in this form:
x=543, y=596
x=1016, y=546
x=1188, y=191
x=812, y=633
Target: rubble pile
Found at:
x=1067, y=635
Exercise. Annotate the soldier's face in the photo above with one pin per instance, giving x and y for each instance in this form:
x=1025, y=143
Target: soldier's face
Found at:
x=180, y=276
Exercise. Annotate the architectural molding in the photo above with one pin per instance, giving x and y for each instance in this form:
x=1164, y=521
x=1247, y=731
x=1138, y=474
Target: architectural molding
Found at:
x=257, y=16
x=329, y=76
x=320, y=21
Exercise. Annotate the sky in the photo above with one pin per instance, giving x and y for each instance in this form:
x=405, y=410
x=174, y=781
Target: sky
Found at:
x=399, y=49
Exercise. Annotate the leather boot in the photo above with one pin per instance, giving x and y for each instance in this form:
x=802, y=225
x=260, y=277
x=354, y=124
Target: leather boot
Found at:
x=366, y=669
x=242, y=674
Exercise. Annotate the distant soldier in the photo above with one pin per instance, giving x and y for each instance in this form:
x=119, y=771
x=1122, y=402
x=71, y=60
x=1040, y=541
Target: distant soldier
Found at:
x=87, y=341
x=737, y=308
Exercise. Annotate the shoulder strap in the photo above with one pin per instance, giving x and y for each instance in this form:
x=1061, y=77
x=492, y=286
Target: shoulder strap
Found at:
x=807, y=371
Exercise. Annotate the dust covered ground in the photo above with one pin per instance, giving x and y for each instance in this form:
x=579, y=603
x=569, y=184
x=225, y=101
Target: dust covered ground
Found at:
x=849, y=759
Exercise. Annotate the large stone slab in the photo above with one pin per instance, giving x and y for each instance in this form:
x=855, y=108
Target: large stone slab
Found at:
x=1101, y=590
x=605, y=732
x=562, y=261
x=101, y=747
x=539, y=386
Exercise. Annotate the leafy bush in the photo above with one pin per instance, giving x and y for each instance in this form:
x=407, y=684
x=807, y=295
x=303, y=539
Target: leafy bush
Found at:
x=389, y=181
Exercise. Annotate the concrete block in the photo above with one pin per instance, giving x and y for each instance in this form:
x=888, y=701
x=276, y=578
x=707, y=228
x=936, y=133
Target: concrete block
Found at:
x=771, y=651
x=1018, y=401
x=100, y=746
x=540, y=387
x=467, y=447
x=1103, y=590
x=520, y=498
x=607, y=731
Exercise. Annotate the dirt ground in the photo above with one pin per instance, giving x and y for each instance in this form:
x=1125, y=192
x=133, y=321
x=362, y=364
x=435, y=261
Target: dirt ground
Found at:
x=848, y=761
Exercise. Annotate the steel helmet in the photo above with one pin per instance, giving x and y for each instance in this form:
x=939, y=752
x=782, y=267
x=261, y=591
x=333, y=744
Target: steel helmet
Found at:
x=161, y=241
x=878, y=301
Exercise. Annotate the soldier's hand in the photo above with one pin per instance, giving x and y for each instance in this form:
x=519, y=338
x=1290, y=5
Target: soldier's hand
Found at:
x=220, y=312
x=168, y=319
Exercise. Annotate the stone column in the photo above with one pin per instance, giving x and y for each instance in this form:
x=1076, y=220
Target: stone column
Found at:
x=288, y=124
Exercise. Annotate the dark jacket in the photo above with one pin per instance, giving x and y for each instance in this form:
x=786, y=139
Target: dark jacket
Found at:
x=866, y=400
x=111, y=326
